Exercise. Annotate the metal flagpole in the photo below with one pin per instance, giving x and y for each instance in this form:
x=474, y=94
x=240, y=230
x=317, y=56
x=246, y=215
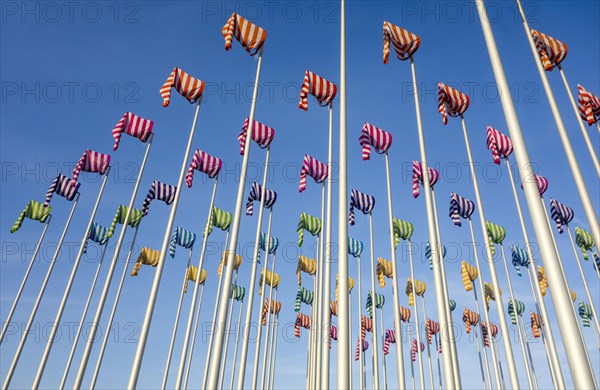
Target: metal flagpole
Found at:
x=437, y=348
x=274, y=358
x=588, y=206
x=193, y=341
x=326, y=294
x=319, y=320
x=480, y=359
x=224, y=365
x=412, y=368
x=176, y=324
x=428, y=348
x=510, y=360
x=113, y=312
x=214, y=369
x=576, y=354
x=385, y=385
x=556, y=369
x=521, y=334
x=586, y=137
x=237, y=339
x=20, y=291
x=451, y=379
x=190, y=321
x=36, y=305
x=263, y=289
x=417, y=322
x=395, y=292
x=492, y=339
x=270, y=340
x=83, y=315
x=350, y=313
x=94, y=325
x=311, y=336
x=268, y=331
x=534, y=376
x=343, y=375
x=359, y=311
x=373, y=297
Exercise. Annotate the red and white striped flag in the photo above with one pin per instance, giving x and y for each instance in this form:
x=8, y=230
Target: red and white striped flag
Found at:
x=324, y=91
x=373, y=136
x=248, y=34
x=91, y=161
x=551, y=51
x=313, y=168
x=589, y=105
x=203, y=162
x=189, y=87
x=405, y=43
x=451, y=102
x=261, y=134
x=499, y=144
x=133, y=125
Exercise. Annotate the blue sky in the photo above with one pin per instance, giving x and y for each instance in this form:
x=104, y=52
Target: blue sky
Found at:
x=70, y=70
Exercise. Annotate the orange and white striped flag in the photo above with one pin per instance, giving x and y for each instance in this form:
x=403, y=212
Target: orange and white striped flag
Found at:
x=189, y=87
x=552, y=51
x=249, y=35
x=405, y=43
x=323, y=90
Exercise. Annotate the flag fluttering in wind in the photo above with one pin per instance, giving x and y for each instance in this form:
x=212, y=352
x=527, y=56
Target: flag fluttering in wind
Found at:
x=519, y=258
x=271, y=306
x=536, y=324
x=263, y=135
x=417, y=177
x=402, y=230
x=413, y=349
x=192, y=274
x=520, y=309
x=237, y=262
x=573, y=295
x=307, y=265
x=561, y=214
x=389, y=338
x=586, y=314
x=99, y=234
x=350, y=286
x=147, y=257
x=181, y=237
x=551, y=51
x=33, y=210
x=379, y=302
x=238, y=292
x=451, y=102
x=361, y=201
x=303, y=295
x=470, y=319
x=355, y=247
x=91, y=161
x=460, y=207
x=496, y=234
x=371, y=136
x=366, y=325
x=589, y=106
x=541, y=182
x=452, y=305
x=542, y=279
x=584, y=240
x=132, y=125
x=419, y=289
x=220, y=219
x=256, y=194
x=203, y=162
x=469, y=274
x=384, y=269
x=333, y=308
x=62, y=186
x=484, y=332
x=309, y=223
x=333, y=334
x=159, y=191
x=428, y=254
x=135, y=218
x=365, y=346
x=324, y=91
x=189, y=87
x=432, y=328
x=271, y=278
x=262, y=244
x=500, y=144
x=249, y=35
x=405, y=43
x=404, y=314
x=302, y=320
x=489, y=295
x=314, y=168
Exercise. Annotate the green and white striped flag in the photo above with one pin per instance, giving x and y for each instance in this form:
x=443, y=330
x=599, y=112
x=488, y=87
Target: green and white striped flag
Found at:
x=585, y=241
x=309, y=223
x=511, y=311
x=134, y=218
x=220, y=219
x=33, y=210
x=402, y=230
x=496, y=234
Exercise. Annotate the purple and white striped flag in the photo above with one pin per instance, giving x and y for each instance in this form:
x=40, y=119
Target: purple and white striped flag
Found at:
x=160, y=191
x=313, y=168
x=203, y=162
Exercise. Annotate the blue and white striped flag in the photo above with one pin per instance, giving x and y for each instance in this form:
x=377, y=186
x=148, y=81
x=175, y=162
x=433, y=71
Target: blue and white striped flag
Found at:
x=160, y=191
x=460, y=207
x=262, y=243
x=361, y=201
x=355, y=247
x=98, y=234
x=428, y=254
x=255, y=195
x=181, y=237
x=519, y=258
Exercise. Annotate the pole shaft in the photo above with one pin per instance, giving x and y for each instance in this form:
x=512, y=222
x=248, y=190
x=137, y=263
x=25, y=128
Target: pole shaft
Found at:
x=237, y=339
x=193, y=341
x=417, y=321
x=375, y=348
x=267, y=324
x=428, y=347
x=359, y=312
x=228, y=330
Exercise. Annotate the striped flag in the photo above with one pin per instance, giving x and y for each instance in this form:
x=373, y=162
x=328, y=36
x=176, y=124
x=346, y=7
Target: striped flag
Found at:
x=484, y=332
x=543, y=280
x=192, y=274
x=452, y=303
x=135, y=218
x=159, y=191
x=91, y=161
x=261, y=134
x=189, y=87
x=249, y=35
x=470, y=319
x=379, y=302
x=262, y=244
x=365, y=346
x=379, y=139
x=350, y=286
x=469, y=274
x=496, y=233
x=500, y=144
x=314, y=168
x=237, y=262
x=310, y=224
x=384, y=269
x=303, y=295
x=306, y=265
x=489, y=295
x=33, y=210
x=333, y=334
x=147, y=257
x=519, y=258
x=272, y=306
x=238, y=292
x=428, y=254
x=417, y=177
x=460, y=207
x=333, y=308
x=451, y=102
x=302, y=320
x=405, y=43
x=324, y=91
x=203, y=162
x=551, y=51
x=402, y=230
x=413, y=349
x=355, y=247
x=561, y=214
x=584, y=240
x=586, y=314
x=511, y=310
x=62, y=186
x=589, y=106
x=541, y=182
x=419, y=288
x=271, y=278
x=99, y=234
x=432, y=329
x=536, y=324
x=220, y=219
x=183, y=238
x=361, y=201
x=390, y=338
x=132, y=125
x=256, y=195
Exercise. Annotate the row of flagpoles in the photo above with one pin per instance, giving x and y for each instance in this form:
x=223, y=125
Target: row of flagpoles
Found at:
x=548, y=53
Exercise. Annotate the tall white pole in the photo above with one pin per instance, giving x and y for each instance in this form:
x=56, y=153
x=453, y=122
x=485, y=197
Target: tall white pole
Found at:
x=20, y=291
x=343, y=374
x=417, y=322
x=439, y=367
x=274, y=358
x=237, y=339
x=375, y=348
x=94, y=325
x=480, y=359
x=192, y=343
x=190, y=321
x=359, y=312
x=268, y=330
x=224, y=365
x=445, y=322
x=176, y=324
x=385, y=385
x=270, y=339
x=83, y=315
x=588, y=206
x=113, y=312
x=215, y=364
x=533, y=374
x=36, y=305
x=428, y=347
x=326, y=294
x=576, y=354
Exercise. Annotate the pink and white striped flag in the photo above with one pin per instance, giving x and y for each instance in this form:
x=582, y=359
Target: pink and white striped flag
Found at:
x=379, y=139
x=500, y=145
x=133, y=125
x=261, y=134
x=91, y=161
x=417, y=177
x=313, y=168
x=203, y=162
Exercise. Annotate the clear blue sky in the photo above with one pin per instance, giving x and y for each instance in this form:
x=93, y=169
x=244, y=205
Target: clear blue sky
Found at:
x=70, y=70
